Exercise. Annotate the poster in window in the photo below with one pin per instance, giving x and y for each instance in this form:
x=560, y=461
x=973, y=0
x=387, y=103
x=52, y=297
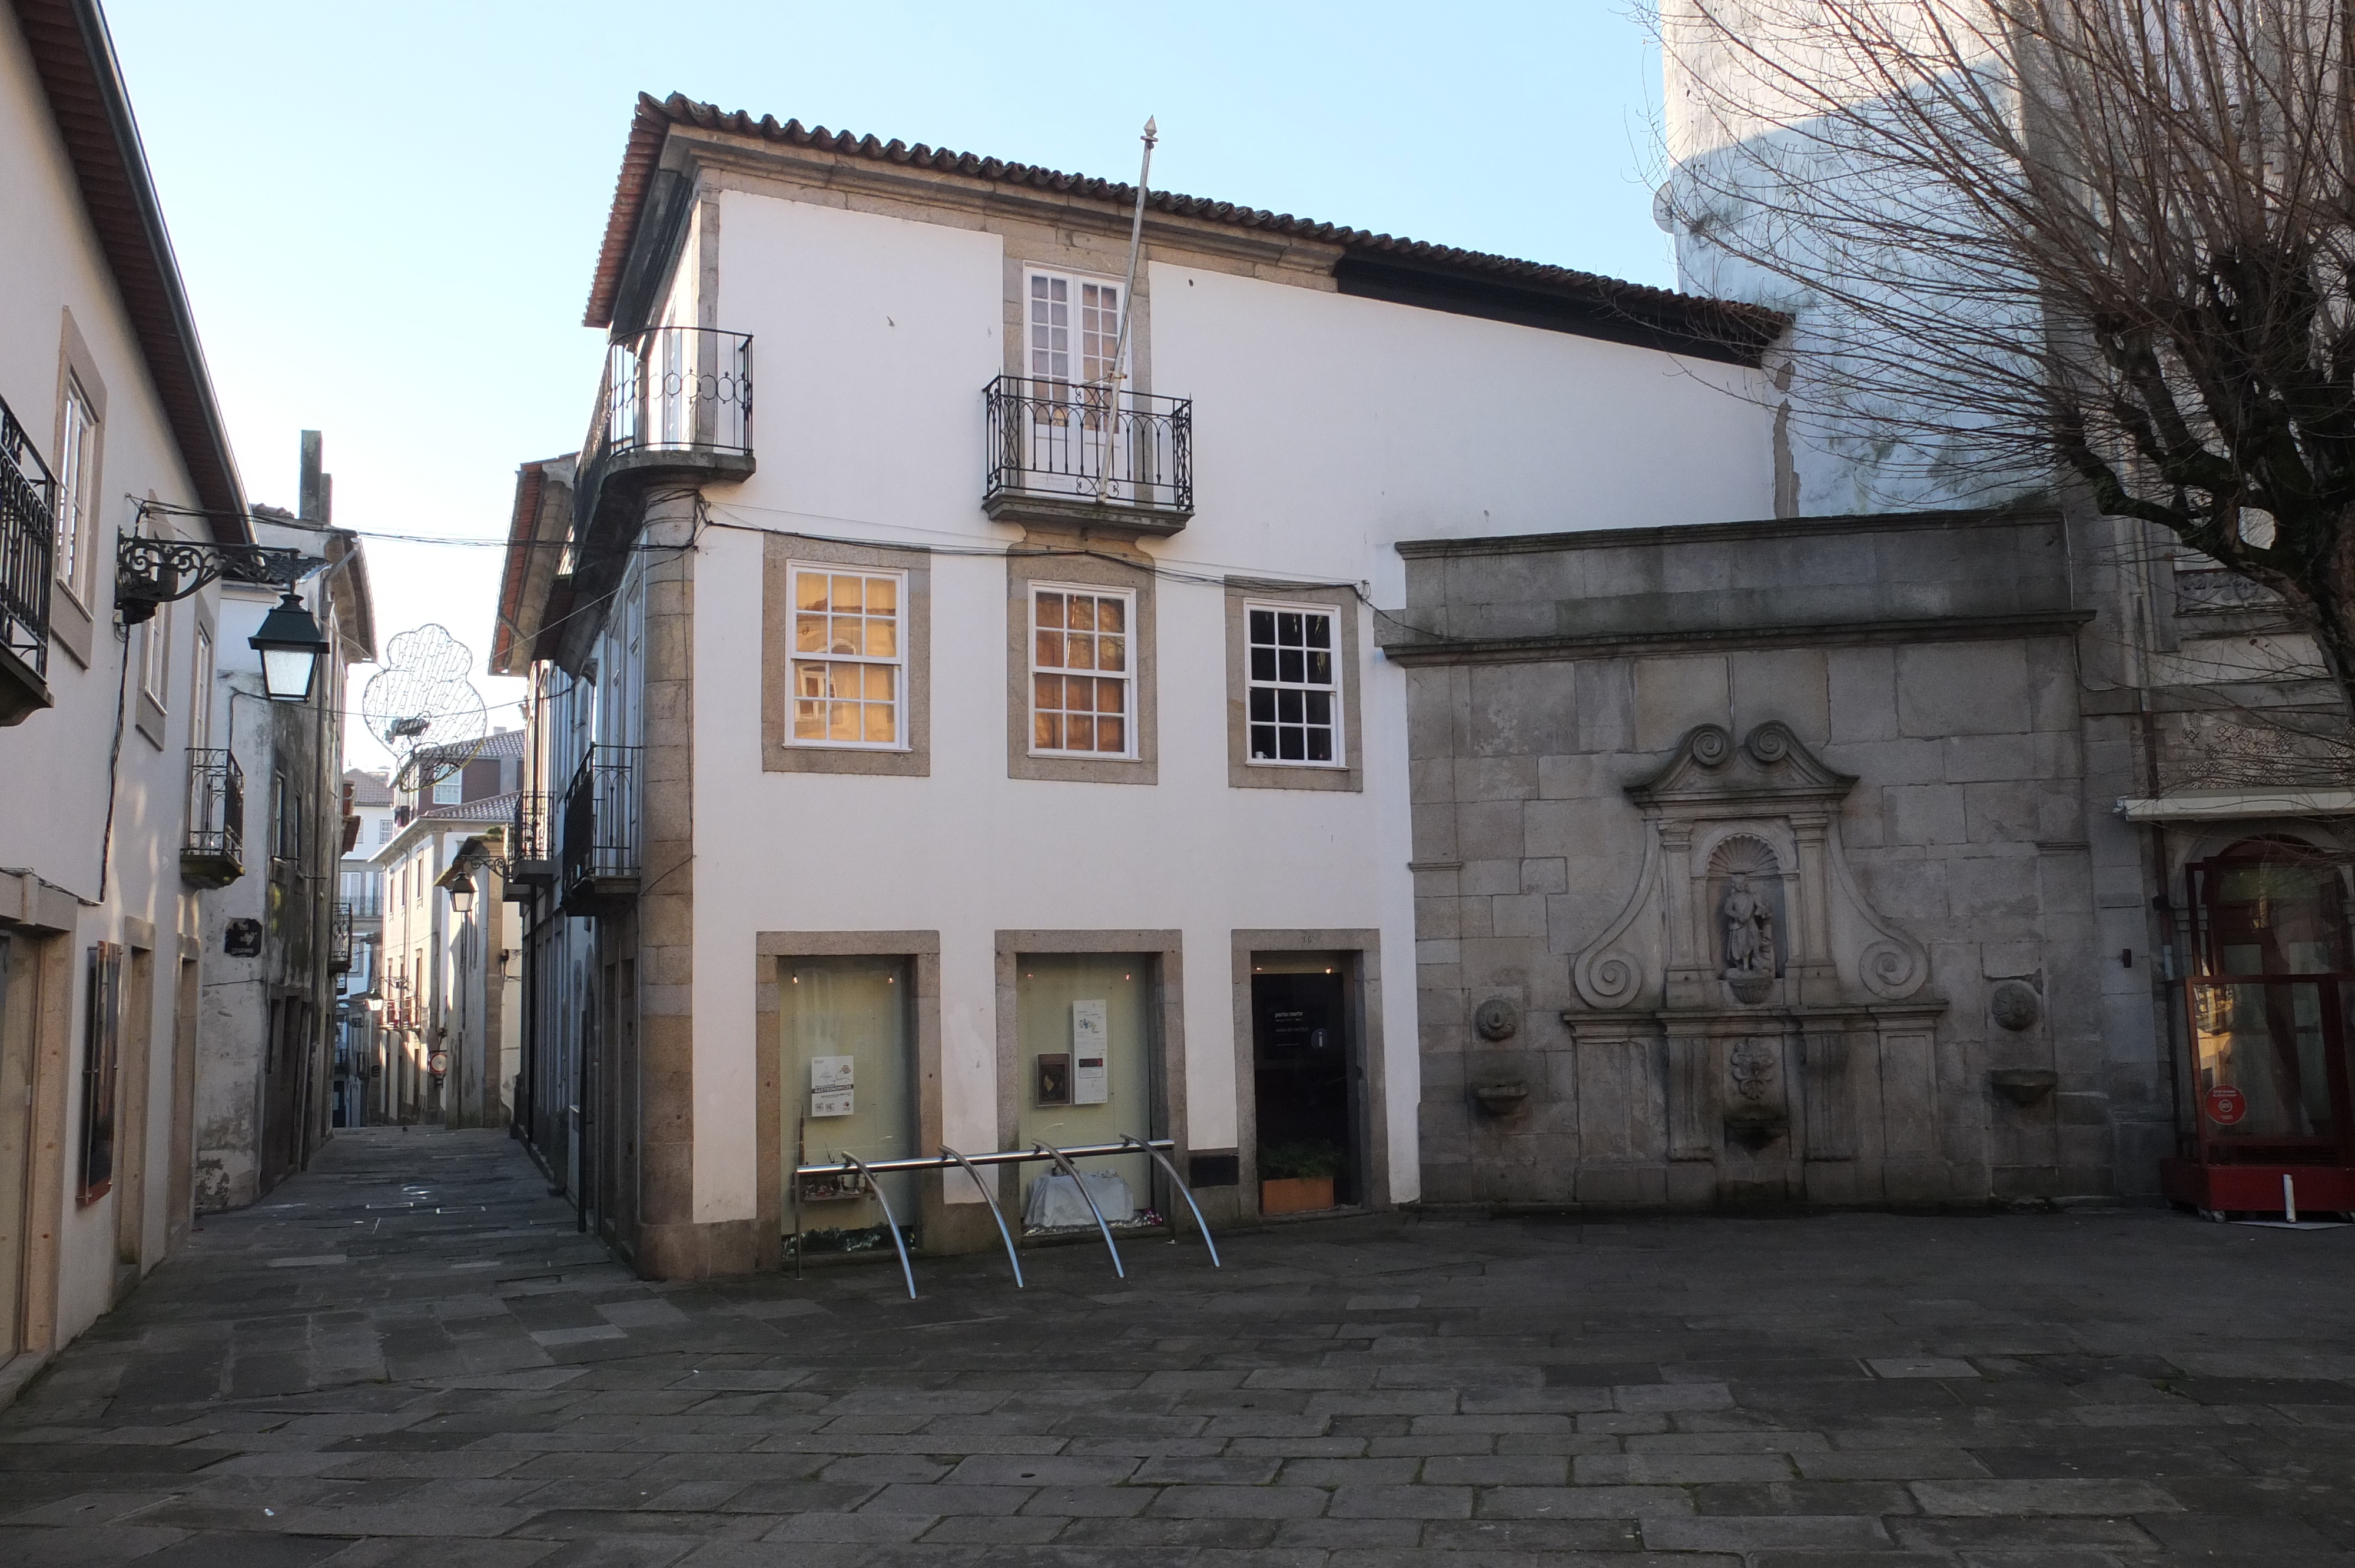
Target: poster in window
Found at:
x=1054, y=1078
x=1091, y=1035
x=100, y=1041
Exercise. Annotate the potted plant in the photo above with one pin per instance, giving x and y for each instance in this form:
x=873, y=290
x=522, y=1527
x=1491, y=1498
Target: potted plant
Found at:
x=1297, y=1177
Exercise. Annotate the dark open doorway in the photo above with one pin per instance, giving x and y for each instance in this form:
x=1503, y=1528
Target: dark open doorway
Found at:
x=1304, y=1085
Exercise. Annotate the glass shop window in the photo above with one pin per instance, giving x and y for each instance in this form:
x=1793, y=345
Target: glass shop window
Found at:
x=1086, y=1065
x=849, y=1079
x=2271, y=906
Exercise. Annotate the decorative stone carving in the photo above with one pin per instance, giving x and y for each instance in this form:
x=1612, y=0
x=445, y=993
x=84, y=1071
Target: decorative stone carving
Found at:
x=1497, y=1019
x=1755, y=1118
x=1750, y=831
x=2015, y=1005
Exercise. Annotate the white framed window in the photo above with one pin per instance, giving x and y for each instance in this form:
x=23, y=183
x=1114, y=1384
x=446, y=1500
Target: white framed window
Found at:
x=1082, y=672
x=384, y=831
x=200, y=690
x=1294, y=675
x=850, y=659
x=77, y=466
x=449, y=789
x=1073, y=327
x=155, y=655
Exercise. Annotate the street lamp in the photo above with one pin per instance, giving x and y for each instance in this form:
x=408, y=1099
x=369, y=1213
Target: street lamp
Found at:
x=290, y=643
x=461, y=898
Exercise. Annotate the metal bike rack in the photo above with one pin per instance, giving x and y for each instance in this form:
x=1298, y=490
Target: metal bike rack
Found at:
x=1064, y=1162
x=950, y=1160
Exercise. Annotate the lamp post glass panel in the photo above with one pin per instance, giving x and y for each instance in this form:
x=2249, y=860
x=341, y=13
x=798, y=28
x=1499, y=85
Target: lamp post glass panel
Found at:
x=462, y=898
x=290, y=643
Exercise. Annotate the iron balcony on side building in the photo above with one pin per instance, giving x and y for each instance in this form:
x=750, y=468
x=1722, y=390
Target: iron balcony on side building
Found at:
x=213, y=854
x=598, y=850
x=532, y=865
x=1088, y=456
x=28, y=527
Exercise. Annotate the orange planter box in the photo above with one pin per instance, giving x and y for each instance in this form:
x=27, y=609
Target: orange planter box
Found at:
x=1296, y=1194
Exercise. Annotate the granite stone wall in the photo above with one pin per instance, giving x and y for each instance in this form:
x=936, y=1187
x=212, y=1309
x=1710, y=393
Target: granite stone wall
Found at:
x=1880, y=718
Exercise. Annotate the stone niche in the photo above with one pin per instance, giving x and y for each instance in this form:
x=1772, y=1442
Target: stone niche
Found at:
x=1791, y=1026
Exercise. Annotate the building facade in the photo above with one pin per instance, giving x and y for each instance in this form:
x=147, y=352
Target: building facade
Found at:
x=113, y=459
x=1017, y=768
x=269, y=1024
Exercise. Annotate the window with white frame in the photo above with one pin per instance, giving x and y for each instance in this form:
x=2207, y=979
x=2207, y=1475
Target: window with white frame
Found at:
x=156, y=648
x=1074, y=328
x=1080, y=672
x=1294, y=713
x=449, y=789
x=77, y=462
x=850, y=659
x=384, y=830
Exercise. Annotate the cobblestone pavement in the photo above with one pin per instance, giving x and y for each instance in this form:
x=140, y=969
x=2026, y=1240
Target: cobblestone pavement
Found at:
x=409, y=1357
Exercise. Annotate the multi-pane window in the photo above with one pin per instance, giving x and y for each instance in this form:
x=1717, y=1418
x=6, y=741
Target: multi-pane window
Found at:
x=449, y=789
x=76, y=457
x=1079, y=672
x=155, y=654
x=849, y=658
x=1295, y=697
x=1074, y=328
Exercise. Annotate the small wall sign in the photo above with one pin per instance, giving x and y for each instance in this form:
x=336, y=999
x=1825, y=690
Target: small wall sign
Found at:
x=2226, y=1105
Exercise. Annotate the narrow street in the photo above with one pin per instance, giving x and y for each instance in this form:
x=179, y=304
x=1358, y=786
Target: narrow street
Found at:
x=409, y=1356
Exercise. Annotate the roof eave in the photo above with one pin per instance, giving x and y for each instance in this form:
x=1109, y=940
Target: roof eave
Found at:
x=75, y=59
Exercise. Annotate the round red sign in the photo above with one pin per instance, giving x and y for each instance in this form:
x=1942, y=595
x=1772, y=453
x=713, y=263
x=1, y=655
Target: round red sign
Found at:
x=2226, y=1105
x=438, y=1064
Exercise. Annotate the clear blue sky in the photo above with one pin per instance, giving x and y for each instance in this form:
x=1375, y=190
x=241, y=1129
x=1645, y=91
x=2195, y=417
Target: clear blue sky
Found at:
x=387, y=214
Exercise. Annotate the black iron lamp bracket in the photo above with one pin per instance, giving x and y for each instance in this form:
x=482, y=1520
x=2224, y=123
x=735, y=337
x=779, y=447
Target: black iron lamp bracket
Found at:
x=150, y=573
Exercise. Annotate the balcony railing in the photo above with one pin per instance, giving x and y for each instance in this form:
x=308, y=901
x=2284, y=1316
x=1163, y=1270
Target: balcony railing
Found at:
x=1057, y=446
x=339, y=939
x=600, y=845
x=28, y=530
x=531, y=862
x=213, y=854
x=684, y=390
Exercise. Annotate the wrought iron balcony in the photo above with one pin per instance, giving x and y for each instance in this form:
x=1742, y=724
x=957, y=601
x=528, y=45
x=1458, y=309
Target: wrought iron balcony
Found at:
x=672, y=396
x=213, y=854
x=1061, y=452
x=531, y=856
x=339, y=939
x=29, y=531
x=599, y=849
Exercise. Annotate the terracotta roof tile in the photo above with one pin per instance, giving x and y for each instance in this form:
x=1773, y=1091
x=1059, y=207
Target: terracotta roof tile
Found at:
x=1748, y=327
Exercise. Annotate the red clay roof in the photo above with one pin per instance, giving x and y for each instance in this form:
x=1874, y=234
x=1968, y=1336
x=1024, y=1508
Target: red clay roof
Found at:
x=70, y=50
x=1703, y=318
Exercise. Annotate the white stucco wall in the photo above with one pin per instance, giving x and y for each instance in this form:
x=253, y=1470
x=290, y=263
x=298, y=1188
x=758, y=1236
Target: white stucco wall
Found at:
x=1326, y=429
x=54, y=824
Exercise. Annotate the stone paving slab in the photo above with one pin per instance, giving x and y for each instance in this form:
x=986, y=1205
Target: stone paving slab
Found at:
x=409, y=1357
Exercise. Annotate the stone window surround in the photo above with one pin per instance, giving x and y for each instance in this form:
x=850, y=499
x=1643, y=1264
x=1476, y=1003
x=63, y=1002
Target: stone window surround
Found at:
x=1241, y=772
x=1167, y=948
x=1362, y=951
x=779, y=752
x=154, y=652
x=922, y=951
x=1027, y=253
x=1047, y=560
x=72, y=621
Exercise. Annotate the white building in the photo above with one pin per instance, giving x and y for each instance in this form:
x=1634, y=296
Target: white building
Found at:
x=1025, y=745
x=103, y=952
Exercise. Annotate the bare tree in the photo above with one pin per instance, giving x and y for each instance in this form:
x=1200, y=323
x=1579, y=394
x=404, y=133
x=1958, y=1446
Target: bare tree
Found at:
x=2106, y=240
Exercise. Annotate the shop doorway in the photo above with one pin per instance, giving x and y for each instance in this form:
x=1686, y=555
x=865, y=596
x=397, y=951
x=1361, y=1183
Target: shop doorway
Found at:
x=850, y=1074
x=1307, y=1083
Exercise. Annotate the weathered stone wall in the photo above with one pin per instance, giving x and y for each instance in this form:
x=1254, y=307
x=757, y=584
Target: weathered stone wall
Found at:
x=1926, y=669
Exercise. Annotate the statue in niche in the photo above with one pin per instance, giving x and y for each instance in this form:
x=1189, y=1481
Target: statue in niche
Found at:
x=1749, y=933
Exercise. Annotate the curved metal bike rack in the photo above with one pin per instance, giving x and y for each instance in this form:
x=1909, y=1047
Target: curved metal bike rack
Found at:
x=950, y=1160
x=890, y=1221
x=1063, y=1161
x=988, y=1197
x=1177, y=1181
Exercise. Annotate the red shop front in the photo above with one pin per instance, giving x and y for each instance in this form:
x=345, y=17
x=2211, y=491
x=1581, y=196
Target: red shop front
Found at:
x=2266, y=1092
